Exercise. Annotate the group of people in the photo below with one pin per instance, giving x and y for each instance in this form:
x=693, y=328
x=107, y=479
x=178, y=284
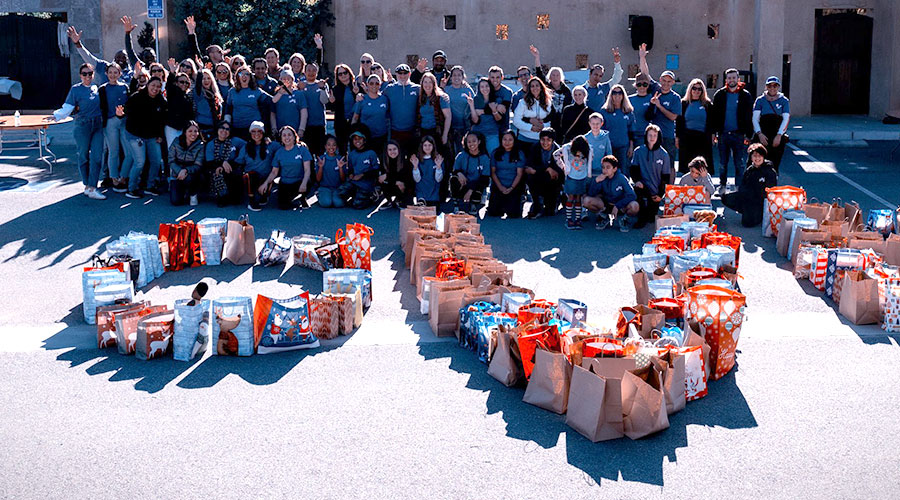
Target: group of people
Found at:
x=215, y=126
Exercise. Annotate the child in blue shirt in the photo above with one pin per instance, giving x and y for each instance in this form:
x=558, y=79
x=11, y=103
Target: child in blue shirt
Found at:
x=428, y=172
x=610, y=194
x=651, y=170
x=362, y=163
x=575, y=159
x=471, y=172
x=507, y=176
x=330, y=174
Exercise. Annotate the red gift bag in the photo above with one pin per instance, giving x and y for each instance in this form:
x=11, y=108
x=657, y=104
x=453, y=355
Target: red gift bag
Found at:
x=721, y=238
x=719, y=312
x=545, y=336
x=539, y=311
x=356, y=246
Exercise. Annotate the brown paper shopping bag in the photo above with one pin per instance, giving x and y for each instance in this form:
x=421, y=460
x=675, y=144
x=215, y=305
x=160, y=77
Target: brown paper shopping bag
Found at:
x=641, y=282
x=671, y=365
x=444, y=305
x=588, y=412
x=643, y=402
x=892, y=250
x=548, y=387
x=783, y=240
x=817, y=211
x=506, y=362
x=814, y=236
x=240, y=243
x=859, y=299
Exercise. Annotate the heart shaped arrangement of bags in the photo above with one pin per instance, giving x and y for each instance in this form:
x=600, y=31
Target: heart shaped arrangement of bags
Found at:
x=236, y=326
x=681, y=334
x=853, y=261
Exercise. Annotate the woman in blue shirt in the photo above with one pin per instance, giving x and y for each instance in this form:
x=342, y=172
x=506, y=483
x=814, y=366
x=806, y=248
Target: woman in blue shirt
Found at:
x=246, y=103
x=292, y=162
x=693, y=127
x=461, y=95
x=317, y=93
x=330, y=174
x=223, y=171
x=113, y=95
x=428, y=171
x=207, y=103
x=618, y=119
x=483, y=119
x=372, y=111
x=289, y=104
x=433, y=110
x=507, y=167
x=84, y=101
x=343, y=99
x=471, y=172
x=362, y=172
x=223, y=78
x=256, y=159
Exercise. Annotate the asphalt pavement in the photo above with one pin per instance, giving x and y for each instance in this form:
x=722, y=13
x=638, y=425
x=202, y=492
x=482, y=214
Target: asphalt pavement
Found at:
x=810, y=411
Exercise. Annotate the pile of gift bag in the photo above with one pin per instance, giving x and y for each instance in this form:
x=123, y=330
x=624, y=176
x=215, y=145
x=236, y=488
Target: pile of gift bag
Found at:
x=231, y=325
x=852, y=259
x=609, y=383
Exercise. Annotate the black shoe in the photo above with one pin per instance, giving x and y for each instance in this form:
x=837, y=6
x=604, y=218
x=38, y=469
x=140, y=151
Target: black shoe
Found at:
x=107, y=183
x=533, y=215
x=303, y=202
x=134, y=195
x=153, y=191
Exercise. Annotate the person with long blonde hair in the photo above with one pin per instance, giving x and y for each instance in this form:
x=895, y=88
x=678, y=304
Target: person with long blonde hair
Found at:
x=618, y=119
x=693, y=127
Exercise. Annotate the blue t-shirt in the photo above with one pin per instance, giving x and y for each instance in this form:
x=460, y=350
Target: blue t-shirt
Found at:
x=223, y=89
x=373, y=113
x=116, y=95
x=473, y=167
x=504, y=96
x=287, y=109
x=731, y=103
x=596, y=96
x=403, y=101
x=600, y=147
x=262, y=166
x=204, y=115
x=349, y=101
x=505, y=168
x=779, y=106
x=86, y=101
x=486, y=123
x=459, y=106
x=269, y=85
x=616, y=190
x=237, y=145
x=672, y=103
x=314, y=106
x=426, y=111
x=244, y=106
x=427, y=188
x=290, y=163
x=363, y=162
x=619, y=125
x=641, y=104
x=695, y=117
x=331, y=173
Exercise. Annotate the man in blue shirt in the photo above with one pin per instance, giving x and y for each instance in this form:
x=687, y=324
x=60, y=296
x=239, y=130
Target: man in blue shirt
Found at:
x=665, y=104
x=732, y=112
x=263, y=80
x=597, y=90
x=502, y=105
x=403, y=97
x=523, y=74
x=771, y=114
x=99, y=64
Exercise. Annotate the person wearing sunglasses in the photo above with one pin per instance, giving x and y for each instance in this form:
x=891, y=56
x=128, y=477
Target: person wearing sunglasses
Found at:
x=83, y=101
x=365, y=69
x=403, y=97
x=733, y=121
x=222, y=169
x=640, y=101
x=523, y=74
x=618, y=119
x=771, y=115
x=694, y=129
x=181, y=102
x=342, y=101
x=372, y=110
x=245, y=104
x=597, y=90
x=223, y=78
x=145, y=123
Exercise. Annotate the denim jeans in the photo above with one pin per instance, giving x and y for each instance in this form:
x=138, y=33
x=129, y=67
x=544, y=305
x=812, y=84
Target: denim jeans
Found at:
x=142, y=151
x=731, y=145
x=114, y=133
x=328, y=198
x=88, y=135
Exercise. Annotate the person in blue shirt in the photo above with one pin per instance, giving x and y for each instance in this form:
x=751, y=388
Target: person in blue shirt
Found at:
x=317, y=93
x=208, y=103
x=640, y=101
x=330, y=174
x=372, y=110
x=694, y=128
x=665, y=104
x=246, y=103
x=771, y=115
x=461, y=96
x=121, y=58
x=289, y=104
x=618, y=120
x=484, y=120
x=256, y=160
x=651, y=170
x=427, y=171
x=261, y=74
x=471, y=173
x=83, y=101
x=507, y=174
x=342, y=101
x=599, y=141
x=113, y=96
x=434, y=117
x=363, y=166
x=544, y=177
x=597, y=90
x=403, y=97
x=575, y=159
x=396, y=179
x=610, y=195
x=224, y=79
x=732, y=120
x=223, y=171
x=502, y=105
x=292, y=163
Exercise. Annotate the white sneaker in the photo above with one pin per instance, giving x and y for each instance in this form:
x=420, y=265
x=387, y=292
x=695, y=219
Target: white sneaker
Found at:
x=194, y=201
x=87, y=191
x=93, y=194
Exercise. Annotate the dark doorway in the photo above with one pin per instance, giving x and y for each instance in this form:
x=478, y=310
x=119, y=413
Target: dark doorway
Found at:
x=29, y=54
x=842, y=63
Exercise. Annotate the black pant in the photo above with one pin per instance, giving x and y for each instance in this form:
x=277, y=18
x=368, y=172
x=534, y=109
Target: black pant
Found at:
x=287, y=193
x=544, y=191
x=393, y=193
x=751, y=209
x=180, y=190
x=233, y=193
x=252, y=181
x=509, y=204
x=769, y=125
x=408, y=141
x=649, y=208
x=314, y=137
x=693, y=144
x=356, y=195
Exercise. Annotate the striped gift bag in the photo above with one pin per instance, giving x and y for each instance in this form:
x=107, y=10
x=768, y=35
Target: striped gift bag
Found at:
x=818, y=267
x=325, y=316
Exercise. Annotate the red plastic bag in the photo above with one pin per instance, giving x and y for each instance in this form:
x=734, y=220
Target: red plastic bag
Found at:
x=356, y=246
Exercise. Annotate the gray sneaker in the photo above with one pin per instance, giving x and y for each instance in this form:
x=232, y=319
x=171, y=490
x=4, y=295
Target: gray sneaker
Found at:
x=625, y=223
x=603, y=222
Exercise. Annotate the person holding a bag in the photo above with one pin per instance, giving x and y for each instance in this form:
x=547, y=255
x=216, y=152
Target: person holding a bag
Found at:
x=749, y=199
x=225, y=177
x=185, y=165
x=771, y=115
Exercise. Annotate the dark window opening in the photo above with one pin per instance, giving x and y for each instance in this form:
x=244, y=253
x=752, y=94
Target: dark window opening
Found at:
x=371, y=32
x=449, y=22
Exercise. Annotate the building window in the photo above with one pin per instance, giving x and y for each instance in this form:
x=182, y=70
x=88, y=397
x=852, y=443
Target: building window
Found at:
x=543, y=22
x=449, y=23
x=412, y=60
x=371, y=32
x=712, y=31
x=581, y=61
x=502, y=32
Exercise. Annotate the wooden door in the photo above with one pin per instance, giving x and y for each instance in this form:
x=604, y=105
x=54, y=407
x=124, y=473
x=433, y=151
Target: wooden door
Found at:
x=842, y=64
x=29, y=54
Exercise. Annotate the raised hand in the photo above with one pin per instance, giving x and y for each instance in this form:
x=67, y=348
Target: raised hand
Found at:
x=534, y=51
x=421, y=64
x=137, y=67
x=318, y=39
x=642, y=51
x=655, y=99
x=173, y=65
x=74, y=35
x=190, y=24
x=320, y=163
x=438, y=160
x=127, y=24
x=616, y=57
x=414, y=159
x=342, y=162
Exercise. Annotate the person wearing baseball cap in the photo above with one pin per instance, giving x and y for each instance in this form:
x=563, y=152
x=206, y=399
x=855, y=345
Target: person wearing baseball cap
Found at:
x=403, y=97
x=438, y=68
x=665, y=104
x=771, y=115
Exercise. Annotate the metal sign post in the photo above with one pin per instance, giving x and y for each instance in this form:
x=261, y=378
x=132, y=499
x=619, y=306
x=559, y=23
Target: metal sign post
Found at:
x=156, y=10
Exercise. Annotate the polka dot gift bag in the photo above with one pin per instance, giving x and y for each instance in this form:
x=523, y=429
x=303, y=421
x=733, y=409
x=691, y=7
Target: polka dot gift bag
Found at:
x=678, y=196
x=720, y=313
x=779, y=199
x=356, y=246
